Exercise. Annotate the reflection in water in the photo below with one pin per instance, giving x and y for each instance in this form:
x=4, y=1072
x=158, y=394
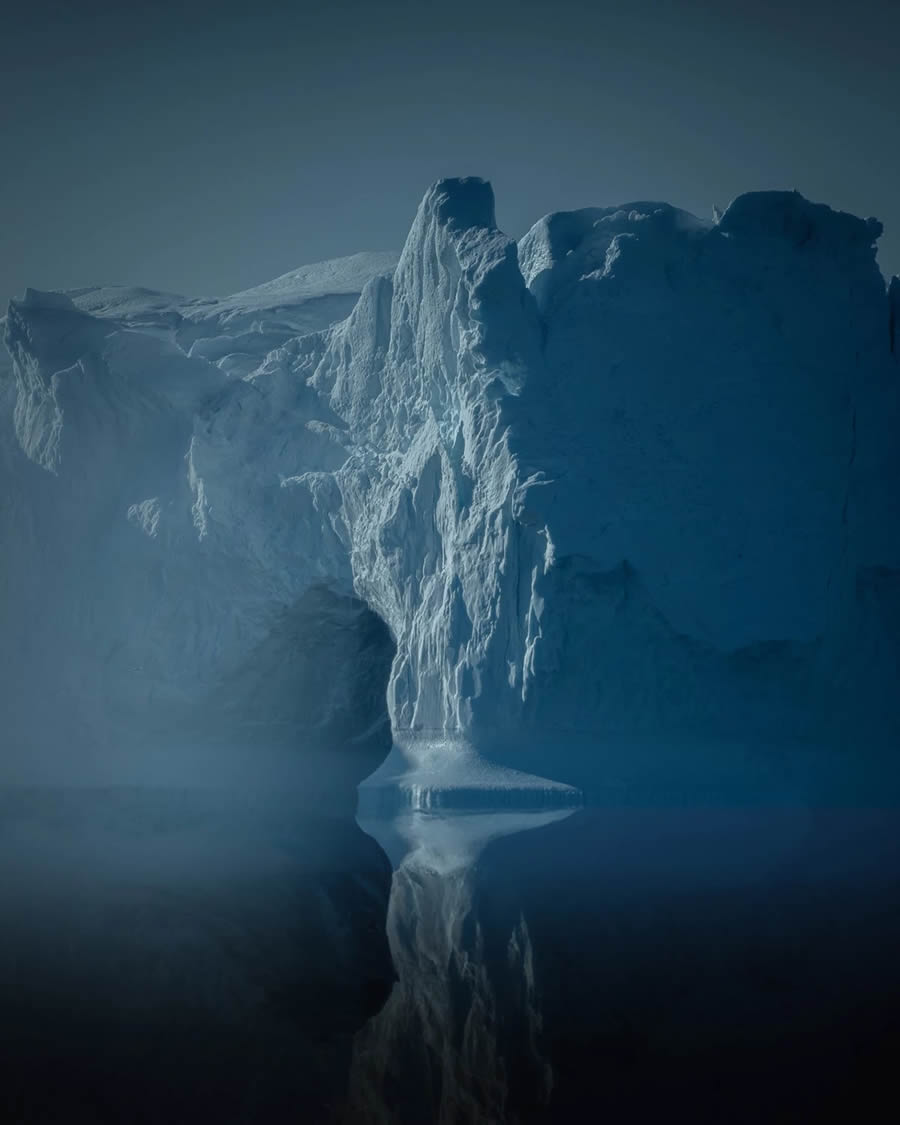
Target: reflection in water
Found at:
x=458, y=1039
x=701, y=964
x=170, y=956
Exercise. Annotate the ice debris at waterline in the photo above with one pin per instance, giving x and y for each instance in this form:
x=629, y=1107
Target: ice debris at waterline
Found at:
x=634, y=477
x=449, y=774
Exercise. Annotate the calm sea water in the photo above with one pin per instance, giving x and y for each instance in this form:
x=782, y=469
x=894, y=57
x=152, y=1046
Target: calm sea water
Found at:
x=643, y=964
x=175, y=957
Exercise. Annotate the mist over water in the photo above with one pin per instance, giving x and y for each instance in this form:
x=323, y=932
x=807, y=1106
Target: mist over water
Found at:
x=170, y=953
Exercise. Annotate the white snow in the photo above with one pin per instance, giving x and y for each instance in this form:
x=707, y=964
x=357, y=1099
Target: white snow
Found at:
x=632, y=478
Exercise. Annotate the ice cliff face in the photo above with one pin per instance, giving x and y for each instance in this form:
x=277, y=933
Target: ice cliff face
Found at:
x=634, y=478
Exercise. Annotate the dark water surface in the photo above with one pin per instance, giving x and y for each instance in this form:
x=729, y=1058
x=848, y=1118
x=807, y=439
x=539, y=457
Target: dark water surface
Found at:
x=178, y=957
x=643, y=964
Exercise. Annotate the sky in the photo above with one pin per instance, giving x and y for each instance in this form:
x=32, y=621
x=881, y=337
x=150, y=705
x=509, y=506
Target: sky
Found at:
x=205, y=147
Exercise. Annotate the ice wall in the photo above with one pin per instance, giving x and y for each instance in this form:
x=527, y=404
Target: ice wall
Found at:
x=634, y=478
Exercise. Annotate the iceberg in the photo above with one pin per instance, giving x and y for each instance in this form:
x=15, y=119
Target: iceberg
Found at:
x=526, y=506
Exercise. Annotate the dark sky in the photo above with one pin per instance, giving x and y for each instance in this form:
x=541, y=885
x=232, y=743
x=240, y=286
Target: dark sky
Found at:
x=205, y=147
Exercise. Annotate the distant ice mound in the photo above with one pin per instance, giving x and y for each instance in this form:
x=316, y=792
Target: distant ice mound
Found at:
x=632, y=480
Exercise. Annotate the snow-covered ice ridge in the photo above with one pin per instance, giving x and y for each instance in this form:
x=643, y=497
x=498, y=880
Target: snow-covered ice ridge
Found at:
x=634, y=477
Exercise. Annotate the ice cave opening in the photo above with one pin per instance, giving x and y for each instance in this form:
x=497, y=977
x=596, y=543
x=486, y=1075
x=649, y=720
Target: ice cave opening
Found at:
x=315, y=686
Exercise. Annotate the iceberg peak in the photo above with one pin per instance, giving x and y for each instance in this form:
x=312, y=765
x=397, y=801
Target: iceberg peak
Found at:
x=461, y=203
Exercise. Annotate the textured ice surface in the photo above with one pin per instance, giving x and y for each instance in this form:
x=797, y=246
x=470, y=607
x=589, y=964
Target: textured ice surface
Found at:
x=448, y=773
x=632, y=479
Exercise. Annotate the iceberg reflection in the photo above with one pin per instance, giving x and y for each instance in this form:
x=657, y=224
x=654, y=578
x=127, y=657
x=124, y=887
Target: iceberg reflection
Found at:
x=459, y=1038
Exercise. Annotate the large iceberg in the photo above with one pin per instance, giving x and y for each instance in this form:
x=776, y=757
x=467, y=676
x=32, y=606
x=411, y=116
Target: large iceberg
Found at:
x=632, y=482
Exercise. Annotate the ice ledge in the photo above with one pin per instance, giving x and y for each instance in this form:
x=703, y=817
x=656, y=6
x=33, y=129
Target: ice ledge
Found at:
x=447, y=772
